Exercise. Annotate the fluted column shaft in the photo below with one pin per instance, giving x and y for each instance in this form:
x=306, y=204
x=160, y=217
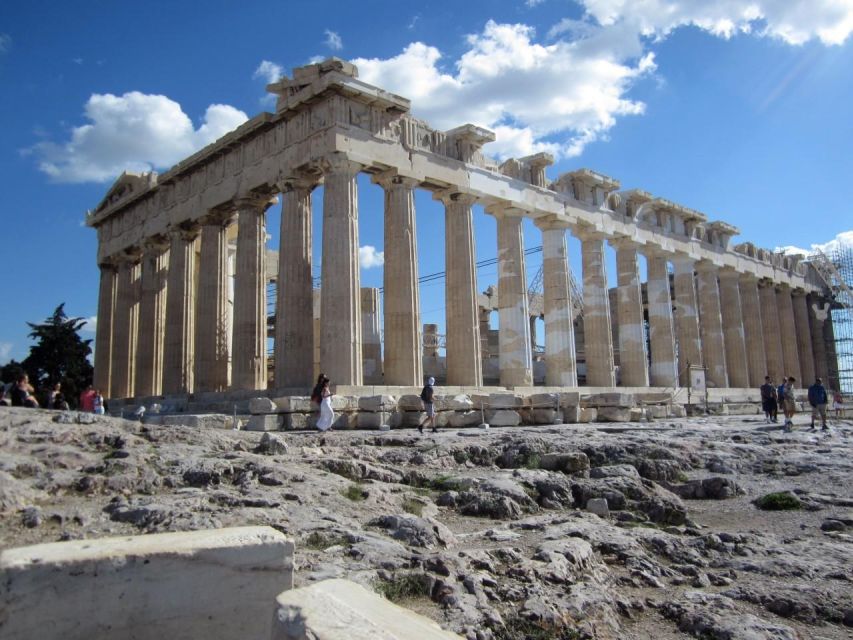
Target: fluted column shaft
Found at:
x=125, y=326
x=294, y=312
x=686, y=318
x=152, y=318
x=598, y=339
x=664, y=371
x=464, y=364
x=818, y=313
x=788, y=332
x=371, y=338
x=516, y=358
x=104, y=328
x=711, y=326
x=733, y=330
x=752, y=330
x=804, y=337
x=560, y=357
x=770, y=325
x=633, y=357
x=249, y=341
x=178, y=351
x=211, y=337
x=340, y=295
x=401, y=304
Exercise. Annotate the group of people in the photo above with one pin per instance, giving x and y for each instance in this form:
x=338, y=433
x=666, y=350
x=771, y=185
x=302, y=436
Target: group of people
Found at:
x=772, y=397
x=21, y=393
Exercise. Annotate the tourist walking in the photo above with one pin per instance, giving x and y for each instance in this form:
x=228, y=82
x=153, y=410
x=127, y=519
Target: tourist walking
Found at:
x=87, y=400
x=818, y=400
x=22, y=393
x=838, y=404
x=769, y=401
x=97, y=403
x=322, y=395
x=59, y=402
x=51, y=396
x=789, y=402
x=429, y=406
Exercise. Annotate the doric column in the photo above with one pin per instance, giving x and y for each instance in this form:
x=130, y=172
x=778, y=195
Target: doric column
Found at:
x=180, y=312
x=104, y=327
x=788, y=331
x=152, y=318
x=249, y=341
x=340, y=295
x=515, y=356
x=804, y=337
x=598, y=339
x=711, y=325
x=633, y=357
x=125, y=326
x=818, y=311
x=752, y=330
x=686, y=317
x=664, y=371
x=770, y=326
x=294, y=334
x=371, y=338
x=560, y=357
x=464, y=364
x=733, y=331
x=211, y=322
x=401, y=300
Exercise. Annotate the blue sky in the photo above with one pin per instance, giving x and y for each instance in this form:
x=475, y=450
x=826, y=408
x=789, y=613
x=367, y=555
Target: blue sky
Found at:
x=740, y=109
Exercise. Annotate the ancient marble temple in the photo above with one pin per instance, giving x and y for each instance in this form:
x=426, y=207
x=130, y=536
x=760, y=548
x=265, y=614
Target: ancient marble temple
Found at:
x=164, y=319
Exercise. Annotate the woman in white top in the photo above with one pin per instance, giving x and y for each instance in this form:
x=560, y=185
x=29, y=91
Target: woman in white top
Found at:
x=323, y=395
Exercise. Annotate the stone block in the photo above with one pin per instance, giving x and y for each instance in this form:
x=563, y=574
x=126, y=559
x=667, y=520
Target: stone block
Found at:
x=300, y=404
x=637, y=414
x=212, y=584
x=372, y=420
x=503, y=418
x=264, y=423
x=598, y=506
x=546, y=416
x=571, y=414
x=569, y=398
x=377, y=403
x=459, y=402
x=677, y=411
x=587, y=414
x=610, y=400
x=196, y=421
x=567, y=462
x=262, y=405
x=657, y=410
x=342, y=610
x=614, y=414
x=504, y=401
x=410, y=402
x=297, y=421
x=543, y=400
x=344, y=403
x=345, y=420
x=411, y=418
x=464, y=418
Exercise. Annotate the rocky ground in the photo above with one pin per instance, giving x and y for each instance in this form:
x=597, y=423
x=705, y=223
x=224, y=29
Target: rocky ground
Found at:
x=491, y=533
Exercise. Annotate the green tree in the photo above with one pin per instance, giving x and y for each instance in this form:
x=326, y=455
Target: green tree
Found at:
x=59, y=355
x=9, y=371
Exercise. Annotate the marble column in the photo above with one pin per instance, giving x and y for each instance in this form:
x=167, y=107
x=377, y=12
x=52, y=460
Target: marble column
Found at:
x=371, y=337
x=340, y=294
x=770, y=326
x=598, y=339
x=249, y=338
x=788, y=333
x=686, y=317
x=464, y=363
x=711, y=325
x=733, y=329
x=633, y=356
x=818, y=311
x=664, y=370
x=403, y=363
x=804, y=337
x=753, y=332
x=104, y=328
x=152, y=318
x=515, y=356
x=560, y=357
x=211, y=323
x=125, y=327
x=294, y=313
x=179, y=338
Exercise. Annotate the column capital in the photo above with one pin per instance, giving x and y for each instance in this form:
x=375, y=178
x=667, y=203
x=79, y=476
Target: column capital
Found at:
x=784, y=287
x=155, y=244
x=450, y=196
x=729, y=273
x=585, y=233
x=707, y=266
x=130, y=255
x=219, y=217
x=390, y=179
x=551, y=223
x=748, y=277
x=625, y=242
x=798, y=292
x=654, y=251
x=501, y=209
x=255, y=202
x=108, y=263
x=306, y=177
x=340, y=163
x=186, y=231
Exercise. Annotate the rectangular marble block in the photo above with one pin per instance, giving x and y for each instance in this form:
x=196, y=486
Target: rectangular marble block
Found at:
x=264, y=423
x=216, y=584
x=343, y=610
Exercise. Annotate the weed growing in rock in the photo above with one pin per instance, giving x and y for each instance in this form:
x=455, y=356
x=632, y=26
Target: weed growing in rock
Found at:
x=447, y=483
x=532, y=461
x=354, y=492
x=415, y=507
x=318, y=540
x=407, y=586
x=780, y=501
x=517, y=627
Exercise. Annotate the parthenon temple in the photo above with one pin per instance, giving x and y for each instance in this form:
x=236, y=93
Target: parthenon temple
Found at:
x=171, y=320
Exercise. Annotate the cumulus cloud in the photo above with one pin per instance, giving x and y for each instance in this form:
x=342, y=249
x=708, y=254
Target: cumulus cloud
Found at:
x=90, y=325
x=333, y=40
x=5, y=350
x=793, y=21
x=842, y=241
x=369, y=257
x=269, y=71
x=134, y=132
x=5, y=42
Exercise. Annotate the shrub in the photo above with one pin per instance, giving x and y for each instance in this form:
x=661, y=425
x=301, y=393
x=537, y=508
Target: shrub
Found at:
x=318, y=540
x=780, y=501
x=415, y=507
x=407, y=586
x=517, y=627
x=354, y=492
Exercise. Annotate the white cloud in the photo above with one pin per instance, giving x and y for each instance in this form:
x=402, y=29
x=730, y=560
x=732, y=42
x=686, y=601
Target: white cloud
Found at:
x=793, y=21
x=533, y=3
x=90, y=325
x=843, y=240
x=369, y=257
x=269, y=71
x=333, y=40
x=134, y=132
x=5, y=350
x=5, y=42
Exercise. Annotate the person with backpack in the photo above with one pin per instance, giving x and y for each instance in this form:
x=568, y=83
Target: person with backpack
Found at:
x=769, y=402
x=429, y=407
x=818, y=400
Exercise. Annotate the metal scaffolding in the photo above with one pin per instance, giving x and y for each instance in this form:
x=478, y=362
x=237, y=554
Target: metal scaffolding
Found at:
x=835, y=266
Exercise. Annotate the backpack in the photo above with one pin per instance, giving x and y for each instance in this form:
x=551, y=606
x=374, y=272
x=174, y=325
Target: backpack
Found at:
x=426, y=394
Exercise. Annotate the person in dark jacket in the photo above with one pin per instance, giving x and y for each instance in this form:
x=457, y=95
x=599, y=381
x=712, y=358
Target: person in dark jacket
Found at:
x=818, y=400
x=427, y=398
x=769, y=400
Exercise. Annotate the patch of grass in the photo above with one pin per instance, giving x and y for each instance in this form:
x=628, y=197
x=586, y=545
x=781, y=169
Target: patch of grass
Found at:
x=402, y=587
x=415, y=507
x=448, y=483
x=461, y=457
x=422, y=491
x=680, y=476
x=354, y=492
x=517, y=627
x=779, y=501
x=532, y=461
x=318, y=540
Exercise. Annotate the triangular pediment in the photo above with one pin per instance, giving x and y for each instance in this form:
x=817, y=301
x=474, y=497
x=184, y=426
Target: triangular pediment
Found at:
x=125, y=186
